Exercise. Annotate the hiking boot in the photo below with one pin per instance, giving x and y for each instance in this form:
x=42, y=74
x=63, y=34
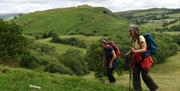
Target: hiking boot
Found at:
x=113, y=84
x=137, y=90
x=155, y=88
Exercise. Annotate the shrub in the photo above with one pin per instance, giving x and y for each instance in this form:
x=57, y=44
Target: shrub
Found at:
x=70, y=41
x=58, y=68
x=74, y=60
x=166, y=47
x=94, y=57
x=13, y=45
x=29, y=61
x=55, y=38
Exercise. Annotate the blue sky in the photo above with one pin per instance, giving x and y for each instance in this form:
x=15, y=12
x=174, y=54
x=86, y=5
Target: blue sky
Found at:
x=25, y=6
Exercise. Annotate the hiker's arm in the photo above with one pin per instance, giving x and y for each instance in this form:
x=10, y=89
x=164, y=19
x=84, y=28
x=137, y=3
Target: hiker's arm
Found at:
x=113, y=58
x=127, y=54
x=143, y=48
x=104, y=61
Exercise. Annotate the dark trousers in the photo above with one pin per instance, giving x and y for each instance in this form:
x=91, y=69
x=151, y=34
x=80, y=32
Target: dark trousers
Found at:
x=109, y=73
x=146, y=78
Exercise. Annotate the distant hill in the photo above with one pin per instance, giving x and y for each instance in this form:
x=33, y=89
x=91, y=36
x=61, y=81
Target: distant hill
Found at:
x=161, y=19
x=9, y=16
x=84, y=20
x=148, y=12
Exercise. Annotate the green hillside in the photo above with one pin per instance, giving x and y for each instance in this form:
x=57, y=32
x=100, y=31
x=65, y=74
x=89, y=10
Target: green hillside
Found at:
x=158, y=19
x=84, y=20
x=59, y=49
x=17, y=79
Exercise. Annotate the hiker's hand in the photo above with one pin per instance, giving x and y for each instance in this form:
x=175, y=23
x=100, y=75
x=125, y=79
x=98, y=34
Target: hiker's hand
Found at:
x=133, y=50
x=127, y=54
x=110, y=65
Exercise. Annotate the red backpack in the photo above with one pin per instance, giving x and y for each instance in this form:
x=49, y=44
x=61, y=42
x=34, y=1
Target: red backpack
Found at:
x=116, y=49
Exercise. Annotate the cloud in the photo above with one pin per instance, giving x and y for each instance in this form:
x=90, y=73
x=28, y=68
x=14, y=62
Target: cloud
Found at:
x=24, y=6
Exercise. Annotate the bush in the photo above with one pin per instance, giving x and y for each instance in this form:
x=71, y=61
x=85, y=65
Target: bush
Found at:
x=74, y=60
x=13, y=45
x=48, y=34
x=70, y=41
x=58, y=68
x=176, y=39
x=29, y=61
x=175, y=28
x=94, y=57
x=166, y=47
x=55, y=38
x=43, y=48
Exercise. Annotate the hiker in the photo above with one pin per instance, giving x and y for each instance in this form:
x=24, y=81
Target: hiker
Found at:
x=138, y=47
x=109, y=60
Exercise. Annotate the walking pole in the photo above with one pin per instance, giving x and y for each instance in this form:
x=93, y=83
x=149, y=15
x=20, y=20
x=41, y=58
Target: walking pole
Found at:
x=130, y=77
x=130, y=71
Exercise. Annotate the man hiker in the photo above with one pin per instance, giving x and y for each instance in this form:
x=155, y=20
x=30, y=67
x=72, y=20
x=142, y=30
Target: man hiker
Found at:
x=139, y=63
x=110, y=60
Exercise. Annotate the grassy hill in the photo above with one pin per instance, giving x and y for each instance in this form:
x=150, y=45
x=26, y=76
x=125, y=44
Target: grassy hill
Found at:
x=9, y=16
x=84, y=20
x=161, y=19
x=166, y=75
x=18, y=79
x=86, y=25
x=60, y=48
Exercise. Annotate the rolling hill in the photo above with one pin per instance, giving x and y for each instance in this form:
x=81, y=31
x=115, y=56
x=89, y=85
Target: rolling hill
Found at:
x=9, y=16
x=161, y=19
x=86, y=25
x=84, y=20
x=18, y=79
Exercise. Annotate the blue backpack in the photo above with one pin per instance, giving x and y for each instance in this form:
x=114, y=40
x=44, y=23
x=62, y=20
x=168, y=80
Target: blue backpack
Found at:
x=152, y=47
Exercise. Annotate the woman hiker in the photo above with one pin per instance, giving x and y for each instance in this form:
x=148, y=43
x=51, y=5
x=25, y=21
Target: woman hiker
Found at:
x=138, y=47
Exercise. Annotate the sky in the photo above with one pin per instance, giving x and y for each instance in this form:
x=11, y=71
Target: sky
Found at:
x=26, y=6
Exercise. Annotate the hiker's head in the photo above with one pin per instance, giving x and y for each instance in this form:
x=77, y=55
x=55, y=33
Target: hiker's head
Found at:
x=134, y=31
x=103, y=42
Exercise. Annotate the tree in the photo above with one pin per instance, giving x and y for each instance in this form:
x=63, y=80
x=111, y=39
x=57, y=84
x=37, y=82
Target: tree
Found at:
x=74, y=60
x=94, y=57
x=13, y=45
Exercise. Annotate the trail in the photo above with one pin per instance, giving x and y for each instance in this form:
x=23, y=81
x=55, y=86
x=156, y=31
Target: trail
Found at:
x=166, y=75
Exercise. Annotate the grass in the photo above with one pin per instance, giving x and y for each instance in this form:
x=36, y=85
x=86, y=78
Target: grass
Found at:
x=172, y=33
x=84, y=20
x=148, y=26
x=17, y=79
x=176, y=15
x=60, y=48
x=166, y=75
x=87, y=39
x=176, y=23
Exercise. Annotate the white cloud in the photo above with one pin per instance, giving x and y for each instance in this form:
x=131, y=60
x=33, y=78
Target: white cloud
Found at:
x=24, y=6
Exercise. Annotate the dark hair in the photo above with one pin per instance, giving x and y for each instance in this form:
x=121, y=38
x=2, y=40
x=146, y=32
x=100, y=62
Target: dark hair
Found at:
x=103, y=41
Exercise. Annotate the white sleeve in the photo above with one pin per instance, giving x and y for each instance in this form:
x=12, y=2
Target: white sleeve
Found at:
x=141, y=39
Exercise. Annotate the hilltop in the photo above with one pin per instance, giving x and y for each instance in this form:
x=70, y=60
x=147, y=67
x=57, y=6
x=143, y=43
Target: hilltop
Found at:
x=85, y=20
x=162, y=19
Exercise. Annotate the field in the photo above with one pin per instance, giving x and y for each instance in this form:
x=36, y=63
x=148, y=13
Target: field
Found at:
x=43, y=63
x=17, y=79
